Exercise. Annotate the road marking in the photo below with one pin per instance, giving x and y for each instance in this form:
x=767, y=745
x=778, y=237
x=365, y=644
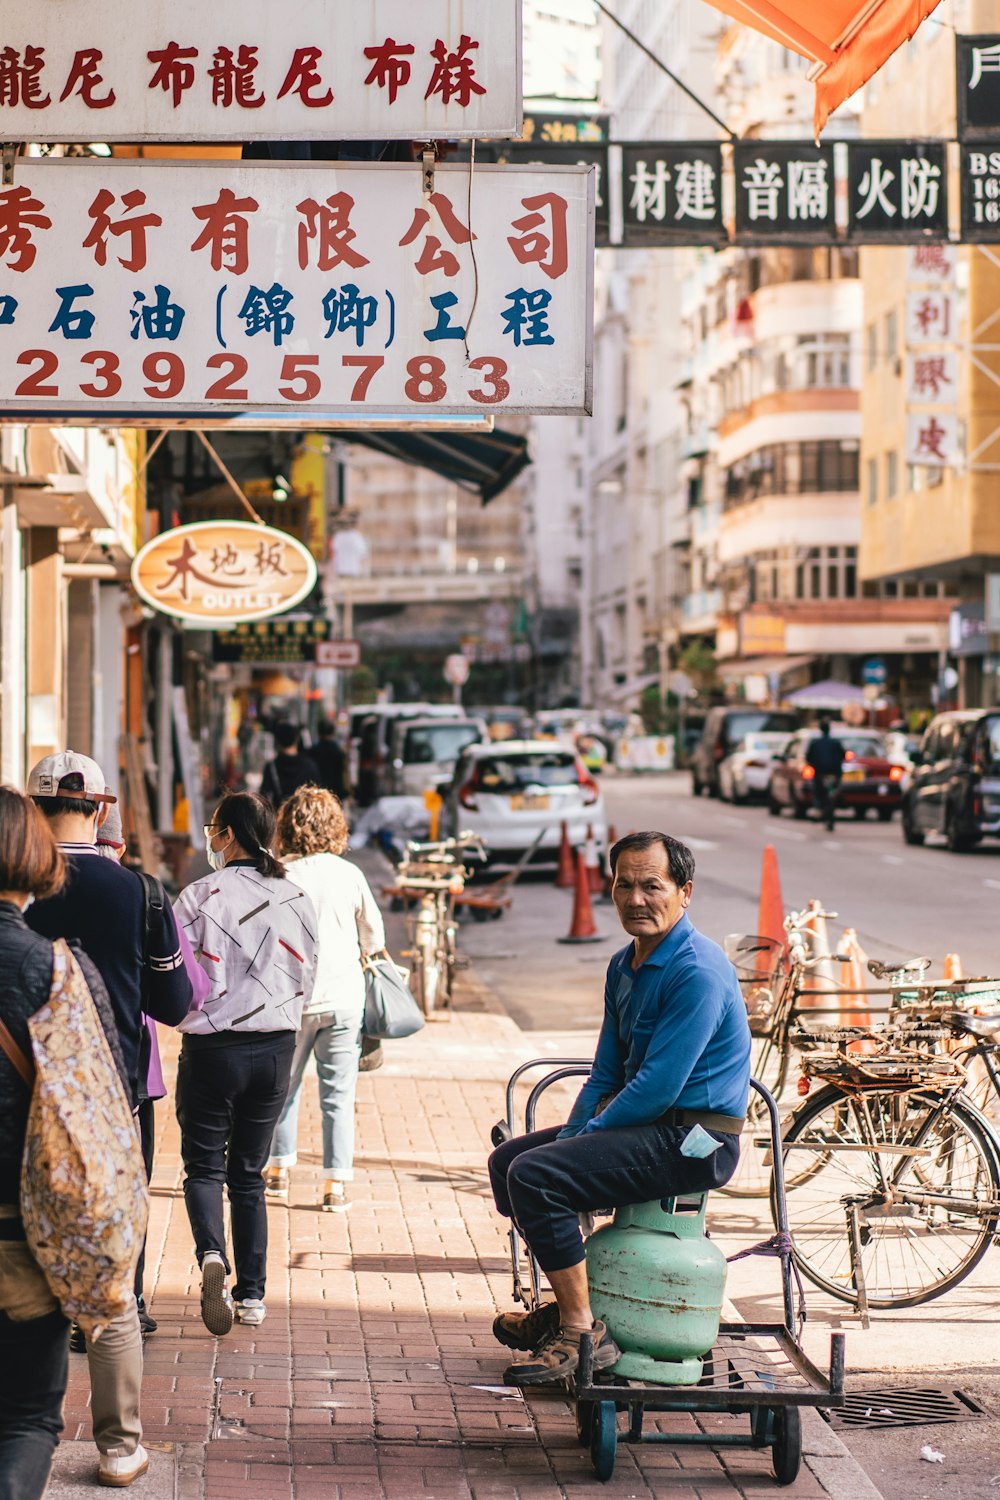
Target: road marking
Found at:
x=993, y=884
x=892, y=859
x=788, y=833
x=693, y=843
x=733, y=822
x=832, y=844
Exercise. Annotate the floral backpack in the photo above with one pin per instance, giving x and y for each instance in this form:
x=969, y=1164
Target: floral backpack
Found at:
x=84, y=1199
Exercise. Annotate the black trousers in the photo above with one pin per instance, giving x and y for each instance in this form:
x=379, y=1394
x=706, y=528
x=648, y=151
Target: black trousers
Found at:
x=146, y=1120
x=34, y=1358
x=544, y=1184
x=230, y=1091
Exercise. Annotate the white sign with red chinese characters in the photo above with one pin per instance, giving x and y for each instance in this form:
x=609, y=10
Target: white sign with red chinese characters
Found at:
x=932, y=439
x=932, y=378
x=933, y=264
x=241, y=70
x=930, y=318
x=160, y=287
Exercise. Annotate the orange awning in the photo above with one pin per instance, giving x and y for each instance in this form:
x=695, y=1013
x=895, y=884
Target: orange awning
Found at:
x=849, y=40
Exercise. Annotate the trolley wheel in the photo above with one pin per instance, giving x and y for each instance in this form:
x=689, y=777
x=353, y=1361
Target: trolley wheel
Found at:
x=786, y=1449
x=604, y=1439
x=501, y=1133
x=584, y=1422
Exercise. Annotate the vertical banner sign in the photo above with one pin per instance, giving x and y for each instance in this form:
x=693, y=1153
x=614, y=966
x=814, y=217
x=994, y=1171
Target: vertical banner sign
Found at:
x=977, y=86
x=932, y=439
x=784, y=189
x=932, y=378
x=241, y=70
x=132, y=289
x=897, y=191
x=672, y=194
x=979, y=190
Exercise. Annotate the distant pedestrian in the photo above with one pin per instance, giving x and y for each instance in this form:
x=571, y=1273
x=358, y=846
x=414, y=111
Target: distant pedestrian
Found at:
x=330, y=760
x=312, y=831
x=254, y=934
x=290, y=768
x=825, y=754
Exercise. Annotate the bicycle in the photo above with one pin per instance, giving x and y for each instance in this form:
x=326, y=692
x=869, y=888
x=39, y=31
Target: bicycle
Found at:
x=896, y=1169
x=436, y=874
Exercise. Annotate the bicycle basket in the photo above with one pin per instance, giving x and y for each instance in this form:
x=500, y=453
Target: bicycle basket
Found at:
x=757, y=961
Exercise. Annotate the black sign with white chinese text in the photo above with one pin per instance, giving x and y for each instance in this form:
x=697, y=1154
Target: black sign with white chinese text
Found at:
x=672, y=194
x=784, y=189
x=979, y=181
x=285, y=641
x=897, y=191
x=977, y=86
x=565, y=130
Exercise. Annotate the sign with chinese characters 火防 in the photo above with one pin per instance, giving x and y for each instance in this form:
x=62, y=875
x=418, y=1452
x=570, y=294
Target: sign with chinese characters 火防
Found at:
x=286, y=641
x=979, y=191
x=784, y=188
x=896, y=191
x=110, y=70
x=932, y=439
x=671, y=192
x=223, y=572
x=977, y=86
x=133, y=288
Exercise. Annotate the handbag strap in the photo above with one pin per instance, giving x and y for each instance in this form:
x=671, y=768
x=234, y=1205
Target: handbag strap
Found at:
x=16, y=1057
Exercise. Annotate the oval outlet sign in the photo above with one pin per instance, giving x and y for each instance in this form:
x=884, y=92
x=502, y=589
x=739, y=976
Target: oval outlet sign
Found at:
x=223, y=572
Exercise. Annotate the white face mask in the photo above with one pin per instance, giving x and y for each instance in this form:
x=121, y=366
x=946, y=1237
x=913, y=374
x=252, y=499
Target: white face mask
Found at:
x=216, y=857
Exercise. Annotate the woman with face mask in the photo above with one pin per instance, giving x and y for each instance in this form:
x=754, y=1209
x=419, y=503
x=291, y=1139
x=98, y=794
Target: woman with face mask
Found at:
x=255, y=935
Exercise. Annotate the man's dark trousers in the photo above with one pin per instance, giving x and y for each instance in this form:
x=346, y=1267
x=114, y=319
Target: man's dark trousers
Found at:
x=544, y=1184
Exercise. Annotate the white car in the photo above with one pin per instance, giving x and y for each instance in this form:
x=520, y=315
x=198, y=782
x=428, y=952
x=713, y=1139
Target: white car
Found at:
x=509, y=793
x=746, y=770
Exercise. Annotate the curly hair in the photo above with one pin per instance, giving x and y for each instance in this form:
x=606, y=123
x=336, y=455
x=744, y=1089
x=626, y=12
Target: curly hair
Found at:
x=312, y=821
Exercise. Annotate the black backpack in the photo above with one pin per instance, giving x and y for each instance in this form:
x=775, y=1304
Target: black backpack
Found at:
x=154, y=905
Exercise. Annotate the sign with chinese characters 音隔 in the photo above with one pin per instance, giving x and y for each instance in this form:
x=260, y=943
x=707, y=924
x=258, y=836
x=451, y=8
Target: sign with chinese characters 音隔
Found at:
x=223, y=572
x=131, y=289
x=784, y=188
x=896, y=191
x=240, y=70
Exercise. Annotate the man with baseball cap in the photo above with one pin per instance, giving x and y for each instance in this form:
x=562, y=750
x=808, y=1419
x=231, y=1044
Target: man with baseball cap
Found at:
x=103, y=906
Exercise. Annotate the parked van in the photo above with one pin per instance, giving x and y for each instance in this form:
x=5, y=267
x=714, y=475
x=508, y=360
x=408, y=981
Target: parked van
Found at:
x=722, y=732
x=370, y=747
x=424, y=751
x=954, y=788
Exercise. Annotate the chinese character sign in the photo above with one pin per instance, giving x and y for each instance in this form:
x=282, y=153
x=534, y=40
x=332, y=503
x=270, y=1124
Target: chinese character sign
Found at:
x=932, y=264
x=977, y=85
x=784, y=188
x=932, y=377
x=979, y=189
x=108, y=70
x=222, y=572
x=932, y=439
x=317, y=288
x=672, y=193
x=897, y=191
x=930, y=318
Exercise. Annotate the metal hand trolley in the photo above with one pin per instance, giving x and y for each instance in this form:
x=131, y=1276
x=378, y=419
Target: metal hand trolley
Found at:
x=758, y=1370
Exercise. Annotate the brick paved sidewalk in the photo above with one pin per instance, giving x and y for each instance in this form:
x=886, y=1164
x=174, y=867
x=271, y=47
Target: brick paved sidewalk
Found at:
x=375, y=1376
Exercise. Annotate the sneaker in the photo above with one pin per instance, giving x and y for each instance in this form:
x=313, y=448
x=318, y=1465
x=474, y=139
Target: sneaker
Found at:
x=335, y=1199
x=559, y=1358
x=119, y=1470
x=216, y=1302
x=251, y=1311
x=147, y=1322
x=276, y=1181
x=527, y=1331
x=77, y=1341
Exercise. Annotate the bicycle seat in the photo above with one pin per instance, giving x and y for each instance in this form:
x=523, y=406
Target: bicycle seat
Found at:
x=908, y=966
x=984, y=1026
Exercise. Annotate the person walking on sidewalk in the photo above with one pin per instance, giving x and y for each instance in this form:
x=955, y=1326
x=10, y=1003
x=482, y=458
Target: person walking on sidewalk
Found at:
x=103, y=908
x=290, y=768
x=255, y=935
x=330, y=761
x=33, y=1330
x=825, y=754
x=660, y=1114
x=312, y=831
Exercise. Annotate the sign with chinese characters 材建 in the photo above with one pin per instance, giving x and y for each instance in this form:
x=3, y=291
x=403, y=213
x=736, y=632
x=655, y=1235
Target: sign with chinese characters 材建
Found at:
x=932, y=439
x=289, y=640
x=977, y=86
x=223, y=572
x=785, y=189
x=896, y=191
x=160, y=287
x=979, y=191
x=932, y=378
x=671, y=193
x=107, y=70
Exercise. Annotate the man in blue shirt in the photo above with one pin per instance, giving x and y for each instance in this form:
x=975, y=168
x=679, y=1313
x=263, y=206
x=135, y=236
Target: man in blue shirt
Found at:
x=660, y=1114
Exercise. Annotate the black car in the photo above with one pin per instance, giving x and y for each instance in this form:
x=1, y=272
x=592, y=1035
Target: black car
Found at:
x=723, y=729
x=955, y=785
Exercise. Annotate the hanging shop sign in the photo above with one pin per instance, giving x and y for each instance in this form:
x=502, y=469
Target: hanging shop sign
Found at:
x=979, y=190
x=897, y=191
x=977, y=86
x=671, y=192
x=241, y=70
x=285, y=641
x=132, y=288
x=223, y=572
x=784, y=188
x=932, y=377
x=932, y=439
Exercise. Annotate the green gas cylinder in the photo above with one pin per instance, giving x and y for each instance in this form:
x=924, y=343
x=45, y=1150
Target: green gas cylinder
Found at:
x=658, y=1283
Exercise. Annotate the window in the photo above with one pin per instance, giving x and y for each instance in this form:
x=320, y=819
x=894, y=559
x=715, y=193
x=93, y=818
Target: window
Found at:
x=872, y=481
x=891, y=334
x=935, y=476
x=891, y=475
x=872, y=345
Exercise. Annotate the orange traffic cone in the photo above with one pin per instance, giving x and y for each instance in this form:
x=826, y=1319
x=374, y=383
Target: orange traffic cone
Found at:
x=953, y=967
x=583, y=928
x=771, y=921
x=822, y=978
x=594, y=877
x=854, y=986
x=566, y=873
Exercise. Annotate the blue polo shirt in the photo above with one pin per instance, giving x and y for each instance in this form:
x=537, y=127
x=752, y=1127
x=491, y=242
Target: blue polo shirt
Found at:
x=674, y=1035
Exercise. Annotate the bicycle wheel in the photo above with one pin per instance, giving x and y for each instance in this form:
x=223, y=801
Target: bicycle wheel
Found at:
x=769, y=1065
x=902, y=1188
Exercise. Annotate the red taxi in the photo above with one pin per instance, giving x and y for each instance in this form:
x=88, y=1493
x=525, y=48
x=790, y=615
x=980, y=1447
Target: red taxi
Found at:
x=868, y=778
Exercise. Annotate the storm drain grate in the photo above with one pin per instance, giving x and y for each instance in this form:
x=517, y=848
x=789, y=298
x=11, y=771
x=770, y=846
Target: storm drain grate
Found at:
x=903, y=1406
